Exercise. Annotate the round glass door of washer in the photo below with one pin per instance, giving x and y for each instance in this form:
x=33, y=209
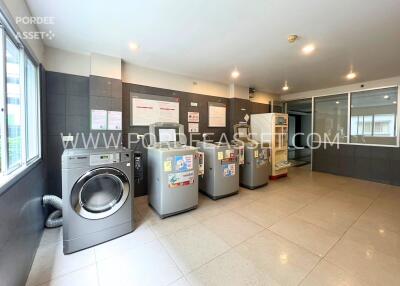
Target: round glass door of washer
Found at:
x=100, y=193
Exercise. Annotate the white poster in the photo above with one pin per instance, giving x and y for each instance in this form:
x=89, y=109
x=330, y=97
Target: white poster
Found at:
x=193, y=117
x=98, y=119
x=216, y=116
x=114, y=120
x=193, y=127
x=146, y=111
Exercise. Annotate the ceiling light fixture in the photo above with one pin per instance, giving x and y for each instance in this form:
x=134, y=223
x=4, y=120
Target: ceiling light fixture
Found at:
x=351, y=75
x=308, y=49
x=235, y=73
x=337, y=102
x=395, y=102
x=285, y=87
x=386, y=97
x=134, y=46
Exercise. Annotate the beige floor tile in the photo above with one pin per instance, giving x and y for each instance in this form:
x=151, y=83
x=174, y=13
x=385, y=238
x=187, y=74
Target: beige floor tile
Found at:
x=260, y=214
x=172, y=224
x=192, y=247
x=235, y=201
x=387, y=204
x=83, y=277
x=51, y=263
x=375, y=218
x=284, y=261
x=364, y=261
x=137, y=238
x=380, y=240
x=51, y=235
x=305, y=234
x=327, y=274
x=147, y=265
x=208, y=209
x=279, y=203
x=232, y=227
x=180, y=282
x=331, y=214
x=301, y=196
x=230, y=269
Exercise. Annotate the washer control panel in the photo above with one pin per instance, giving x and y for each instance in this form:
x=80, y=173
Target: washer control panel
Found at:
x=102, y=159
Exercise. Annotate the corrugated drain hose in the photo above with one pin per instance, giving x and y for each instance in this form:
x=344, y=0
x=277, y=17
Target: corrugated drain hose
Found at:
x=55, y=218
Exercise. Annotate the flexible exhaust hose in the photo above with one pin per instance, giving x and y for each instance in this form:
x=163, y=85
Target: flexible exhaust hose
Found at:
x=55, y=218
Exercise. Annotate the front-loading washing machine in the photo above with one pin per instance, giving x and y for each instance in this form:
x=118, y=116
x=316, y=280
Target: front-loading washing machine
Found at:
x=97, y=194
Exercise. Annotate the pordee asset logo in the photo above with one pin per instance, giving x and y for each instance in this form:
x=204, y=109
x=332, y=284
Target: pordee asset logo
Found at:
x=38, y=21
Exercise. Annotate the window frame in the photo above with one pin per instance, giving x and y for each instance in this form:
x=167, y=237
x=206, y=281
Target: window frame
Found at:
x=9, y=175
x=397, y=117
x=38, y=109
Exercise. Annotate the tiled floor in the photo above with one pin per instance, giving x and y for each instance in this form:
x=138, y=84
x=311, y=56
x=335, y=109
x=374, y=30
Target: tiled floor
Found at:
x=307, y=229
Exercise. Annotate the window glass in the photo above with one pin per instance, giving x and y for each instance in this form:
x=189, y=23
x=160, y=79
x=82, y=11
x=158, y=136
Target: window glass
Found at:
x=378, y=111
x=32, y=124
x=330, y=118
x=14, y=118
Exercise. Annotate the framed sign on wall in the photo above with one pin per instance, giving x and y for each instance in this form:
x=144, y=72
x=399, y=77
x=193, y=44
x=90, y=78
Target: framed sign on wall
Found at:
x=147, y=109
x=216, y=114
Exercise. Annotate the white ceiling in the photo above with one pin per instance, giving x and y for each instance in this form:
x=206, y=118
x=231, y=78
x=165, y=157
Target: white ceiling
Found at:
x=206, y=39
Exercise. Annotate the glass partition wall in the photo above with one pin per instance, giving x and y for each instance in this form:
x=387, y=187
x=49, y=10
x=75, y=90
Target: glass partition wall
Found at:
x=362, y=117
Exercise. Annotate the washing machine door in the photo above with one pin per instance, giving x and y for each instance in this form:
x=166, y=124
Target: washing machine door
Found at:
x=99, y=193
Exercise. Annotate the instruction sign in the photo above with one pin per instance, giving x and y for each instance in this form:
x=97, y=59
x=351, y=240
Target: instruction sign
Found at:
x=183, y=163
x=229, y=170
x=193, y=127
x=193, y=116
x=114, y=121
x=148, y=109
x=98, y=119
x=180, y=179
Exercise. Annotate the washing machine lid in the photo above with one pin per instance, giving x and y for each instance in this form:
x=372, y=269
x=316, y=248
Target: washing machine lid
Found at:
x=100, y=193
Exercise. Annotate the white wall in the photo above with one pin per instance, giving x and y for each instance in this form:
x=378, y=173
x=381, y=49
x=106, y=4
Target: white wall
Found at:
x=236, y=91
x=57, y=60
x=149, y=77
x=18, y=8
x=265, y=98
x=343, y=88
x=105, y=66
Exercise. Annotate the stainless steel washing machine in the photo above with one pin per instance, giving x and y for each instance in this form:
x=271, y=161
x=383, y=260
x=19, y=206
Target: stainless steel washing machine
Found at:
x=173, y=170
x=97, y=194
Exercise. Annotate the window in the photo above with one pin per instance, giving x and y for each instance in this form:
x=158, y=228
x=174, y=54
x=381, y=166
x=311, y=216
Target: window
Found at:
x=373, y=116
x=32, y=111
x=14, y=106
x=330, y=118
x=20, y=106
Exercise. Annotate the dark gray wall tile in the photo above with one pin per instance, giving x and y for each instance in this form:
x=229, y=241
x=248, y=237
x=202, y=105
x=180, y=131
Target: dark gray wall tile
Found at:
x=77, y=85
x=100, y=102
x=100, y=86
x=56, y=104
x=55, y=83
x=56, y=124
x=77, y=105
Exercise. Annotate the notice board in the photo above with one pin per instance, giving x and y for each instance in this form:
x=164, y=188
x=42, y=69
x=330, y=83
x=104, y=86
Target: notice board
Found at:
x=147, y=109
x=216, y=114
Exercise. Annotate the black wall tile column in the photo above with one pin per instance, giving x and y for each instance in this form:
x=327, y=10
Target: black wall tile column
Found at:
x=67, y=107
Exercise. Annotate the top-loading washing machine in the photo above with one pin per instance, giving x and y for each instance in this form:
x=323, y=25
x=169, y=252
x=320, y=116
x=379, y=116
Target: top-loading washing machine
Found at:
x=254, y=171
x=173, y=170
x=221, y=169
x=97, y=194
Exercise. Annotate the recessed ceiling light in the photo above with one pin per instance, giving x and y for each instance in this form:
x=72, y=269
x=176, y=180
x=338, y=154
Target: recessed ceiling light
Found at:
x=134, y=46
x=337, y=102
x=386, y=97
x=285, y=87
x=308, y=49
x=235, y=73
x=351, y=75
x=395, y=102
